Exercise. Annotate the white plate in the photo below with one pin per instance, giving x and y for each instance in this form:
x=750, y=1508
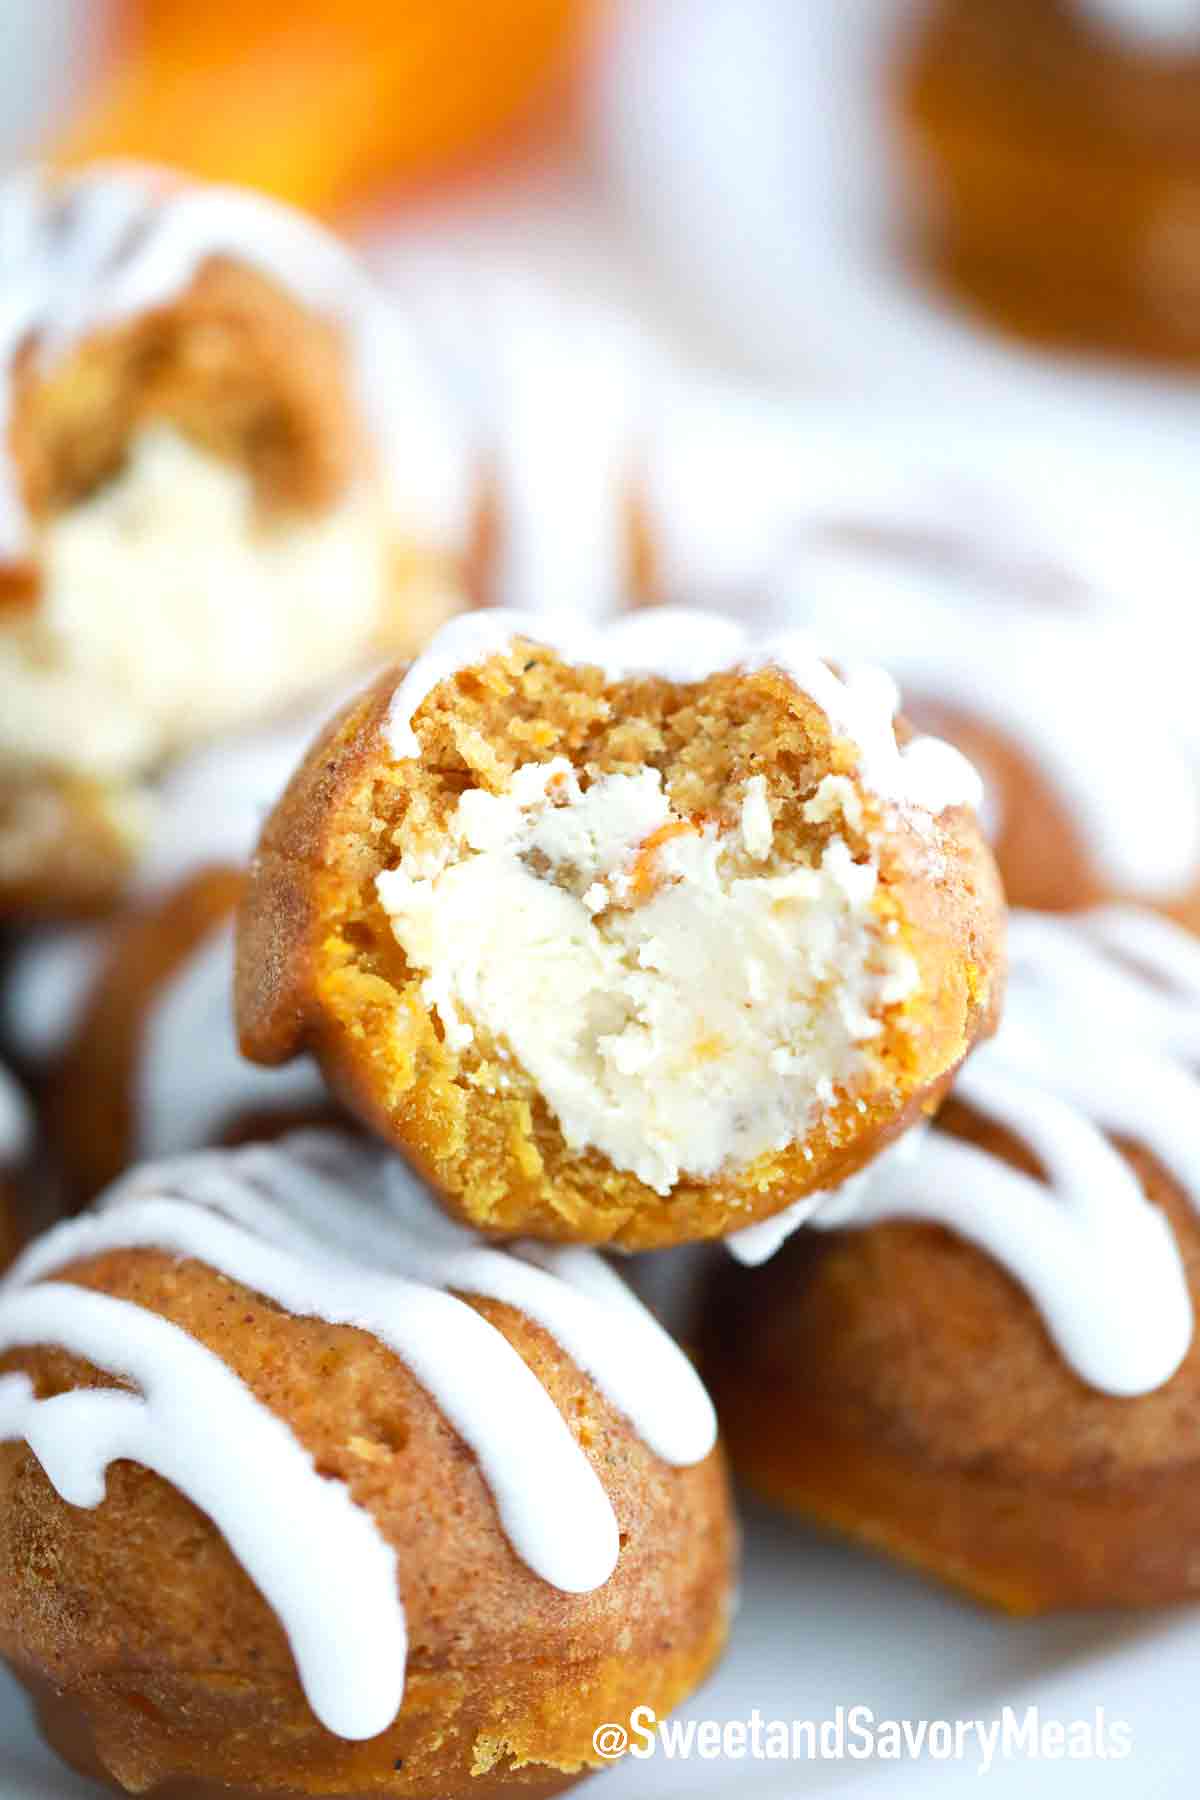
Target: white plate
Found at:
x=821, y=1627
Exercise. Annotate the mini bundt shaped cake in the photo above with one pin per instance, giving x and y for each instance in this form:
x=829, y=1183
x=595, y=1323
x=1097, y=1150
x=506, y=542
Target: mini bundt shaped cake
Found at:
x=16, y=1145
x=215, y=493
x=629, y=936
x=1055, y=154
x=304, y=1491
x=983, y=1361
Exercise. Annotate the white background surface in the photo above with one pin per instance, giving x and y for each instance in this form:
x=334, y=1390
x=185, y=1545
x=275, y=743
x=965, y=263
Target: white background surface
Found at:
x=752, y=230
x=822, y=1626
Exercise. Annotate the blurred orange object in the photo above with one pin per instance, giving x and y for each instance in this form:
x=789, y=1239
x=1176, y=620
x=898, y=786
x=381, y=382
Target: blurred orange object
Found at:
x=319, y=101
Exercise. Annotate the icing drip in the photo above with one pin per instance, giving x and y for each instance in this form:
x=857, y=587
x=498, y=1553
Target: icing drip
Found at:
x=183, y=1101
x=981, y=577
x=1032, y=675
x=210, y=808
x=686, y=646
x=82, y=254
x=563, y=456
x=737, y=488
x=16, y=1122
x=554, y=390
x=195, y=1424
x=1064, y=977
x=332, y=1229
x=1162, y=25
x=51, y=973
x=1099, y=1261
x=755, y=1244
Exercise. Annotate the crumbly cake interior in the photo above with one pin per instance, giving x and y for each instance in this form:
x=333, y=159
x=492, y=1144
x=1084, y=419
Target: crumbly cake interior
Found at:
x=236, y=364
x=668, y=838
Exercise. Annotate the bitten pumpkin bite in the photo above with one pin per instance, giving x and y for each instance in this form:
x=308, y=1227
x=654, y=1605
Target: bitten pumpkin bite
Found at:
x=635, y=936
x=217, y=490
x=304, y=1491
x=981, y=1357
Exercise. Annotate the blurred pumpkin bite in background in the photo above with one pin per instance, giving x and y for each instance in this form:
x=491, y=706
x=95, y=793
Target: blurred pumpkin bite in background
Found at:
x=320, y=101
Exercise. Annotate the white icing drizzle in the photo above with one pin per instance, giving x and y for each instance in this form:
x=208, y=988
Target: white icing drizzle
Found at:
x=736, y=482
x=81, y=254
x=555, y=388
x=1036, y=676
x=16, y=1122
x=1101, y=1038
x=564, y=540
x=687, y=646
x=330, y=1228
x=1152, y=24
x=210, y=807
x=1162, y=951
x=305, y=1543
x=1137, y=1076
x=51, y=972
x=191, y=1080
x=979, y=574
x=755, y=1244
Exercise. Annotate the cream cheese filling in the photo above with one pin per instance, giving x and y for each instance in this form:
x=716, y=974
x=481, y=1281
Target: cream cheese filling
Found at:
x=682, y=1002
x=169, y=612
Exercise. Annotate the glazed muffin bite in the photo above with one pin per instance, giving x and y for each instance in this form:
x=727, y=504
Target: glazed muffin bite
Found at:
x=304, y=1491
x=1055, y=154
x=980, y=1358
x=220, y=486
x=635, y=936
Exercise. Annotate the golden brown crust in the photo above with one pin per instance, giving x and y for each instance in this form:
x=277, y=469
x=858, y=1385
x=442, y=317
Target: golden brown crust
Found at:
x=1055, y=172
x=171, y=1665
x=68, y=1732
x=897, y=1384
x=318, y=967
